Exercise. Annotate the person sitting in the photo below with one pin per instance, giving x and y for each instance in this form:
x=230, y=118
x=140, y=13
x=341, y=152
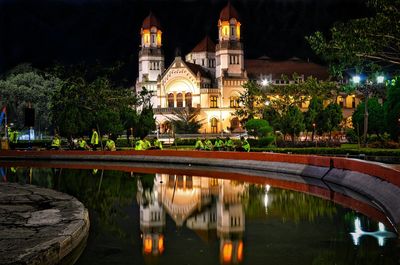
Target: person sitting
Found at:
x=199, y=145
x=82, y=144
x=147, y=144
x=229, y=146
x=219, y=144
x=110, y=144
x=208, y=146
x=140, y=145
x=56, y=143
x=157, y=144
x=245, y=146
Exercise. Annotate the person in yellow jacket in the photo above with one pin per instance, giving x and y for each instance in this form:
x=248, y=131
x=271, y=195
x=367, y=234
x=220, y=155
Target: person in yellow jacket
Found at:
x=208, y=146
x=140, y=145
x=94, y=141
x=82, y=144
x=245, y=144
x=157, y=144
x=229, y=145
x=147, y=144
x=219, y=144
x=56, y=143
x=199, y=145
x=110, y=145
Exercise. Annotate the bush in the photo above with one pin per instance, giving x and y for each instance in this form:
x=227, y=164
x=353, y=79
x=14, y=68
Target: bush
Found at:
x=290, y=144
x=351, y=136
x=262, y=142
x=179, y=141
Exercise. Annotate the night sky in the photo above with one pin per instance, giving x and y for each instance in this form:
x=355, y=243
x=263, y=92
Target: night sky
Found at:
x=71, y=31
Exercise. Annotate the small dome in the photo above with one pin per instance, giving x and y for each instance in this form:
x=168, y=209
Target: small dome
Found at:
x=228, y=12
x=151, y=21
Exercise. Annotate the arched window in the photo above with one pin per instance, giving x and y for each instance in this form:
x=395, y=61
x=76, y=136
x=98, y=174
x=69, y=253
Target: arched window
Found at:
x=179, y=100
x=170, y=100
x=188, y=99
x=234, y=102
x=234, y=123
x=214, y=125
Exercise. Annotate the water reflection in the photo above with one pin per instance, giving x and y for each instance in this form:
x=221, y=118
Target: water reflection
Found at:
x=204, y=205
x=381, y=235
x=153, y=218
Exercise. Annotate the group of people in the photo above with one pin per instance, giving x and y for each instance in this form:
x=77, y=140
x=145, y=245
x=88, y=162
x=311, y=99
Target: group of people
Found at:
x=220, y=145
x=145, y=144
x=82, y=144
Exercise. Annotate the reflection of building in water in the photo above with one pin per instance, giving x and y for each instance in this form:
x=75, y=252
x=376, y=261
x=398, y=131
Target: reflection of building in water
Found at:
x=152, y=219
x=207, y=206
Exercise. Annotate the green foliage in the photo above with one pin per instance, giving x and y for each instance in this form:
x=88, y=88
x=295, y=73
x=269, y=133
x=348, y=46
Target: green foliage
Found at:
x=292, y=122
x=262, y=142
x=313, y=113
x=376, y=122
x=24, y=85
x=258, y=128
x=332, y=151
x=186, y=121
x=332, y=116
x=362, y=43
x=272, y=116
x=146, y=123
x=251, y=101
x=392, y=109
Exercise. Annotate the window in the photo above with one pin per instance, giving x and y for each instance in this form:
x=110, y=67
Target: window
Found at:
x=234, y=102
x=202, y=62
x=214, y=125
x=170, y=100
x=153, y=39
x=353, y=102
x=188, y=99
x=179, y=100
x=233, y=59
x=214, y=102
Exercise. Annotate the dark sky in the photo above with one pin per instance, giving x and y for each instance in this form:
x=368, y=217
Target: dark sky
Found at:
x=72, y=31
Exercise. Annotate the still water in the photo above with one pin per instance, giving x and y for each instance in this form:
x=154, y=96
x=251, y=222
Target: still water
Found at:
x=181, y=219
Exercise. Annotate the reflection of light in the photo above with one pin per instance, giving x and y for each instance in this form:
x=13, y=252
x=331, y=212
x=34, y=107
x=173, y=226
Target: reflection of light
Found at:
x=240, y=251
x=267, y=187
x=161, y=244
x=148, y=245
x=266, y=199
x=227, y=252
x=380, y=235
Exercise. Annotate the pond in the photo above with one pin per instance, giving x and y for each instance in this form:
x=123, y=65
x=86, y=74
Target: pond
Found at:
x=164, y=218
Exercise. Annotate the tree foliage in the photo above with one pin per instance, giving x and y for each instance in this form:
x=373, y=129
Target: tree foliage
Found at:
x=292, y=122
x=376, y=119
x=392, y=109
x=363, y=43
x=258, y=128
x=331, y=118
x=186, y=121
x=25, y=85
x=251, y=102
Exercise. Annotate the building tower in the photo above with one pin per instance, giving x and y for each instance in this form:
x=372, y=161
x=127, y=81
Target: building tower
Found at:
x=229, y=50
x=151, y=57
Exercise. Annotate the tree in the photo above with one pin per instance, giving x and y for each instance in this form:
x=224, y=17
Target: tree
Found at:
x=332, y=116
x=314, y=110
x=251, y=102
x=258, y=128
x=292, y=122
x=376, y=119
x=186, y=121
x=363, y=43
x=146, y=123
x=392, y=109
x=25, y=86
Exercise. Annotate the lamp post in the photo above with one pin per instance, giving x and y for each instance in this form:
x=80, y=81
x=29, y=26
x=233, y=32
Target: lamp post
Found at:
x=367, y=89
x=313, y=125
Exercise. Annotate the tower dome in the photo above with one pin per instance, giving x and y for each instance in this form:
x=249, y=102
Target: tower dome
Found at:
x=228, y=12
x=151, y=32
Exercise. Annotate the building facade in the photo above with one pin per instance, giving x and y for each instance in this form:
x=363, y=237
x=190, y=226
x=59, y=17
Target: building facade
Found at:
x=211, y=77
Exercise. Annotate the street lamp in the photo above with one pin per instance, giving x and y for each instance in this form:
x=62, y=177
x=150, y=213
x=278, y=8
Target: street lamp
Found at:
x=313, y=125
x=264, y=82
x=367, y=88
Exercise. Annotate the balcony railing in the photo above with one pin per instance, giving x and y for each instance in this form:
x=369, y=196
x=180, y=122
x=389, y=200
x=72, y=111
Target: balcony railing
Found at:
x=169, y=110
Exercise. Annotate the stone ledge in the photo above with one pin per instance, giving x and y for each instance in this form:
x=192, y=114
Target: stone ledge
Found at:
x=39, y=226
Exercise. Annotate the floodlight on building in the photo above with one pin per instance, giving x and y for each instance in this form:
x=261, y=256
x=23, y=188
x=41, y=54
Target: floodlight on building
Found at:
x=265, y=82
x=356, y=79
x=380, y=79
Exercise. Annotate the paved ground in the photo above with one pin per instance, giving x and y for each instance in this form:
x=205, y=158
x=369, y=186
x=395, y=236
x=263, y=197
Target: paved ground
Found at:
x=39, y=226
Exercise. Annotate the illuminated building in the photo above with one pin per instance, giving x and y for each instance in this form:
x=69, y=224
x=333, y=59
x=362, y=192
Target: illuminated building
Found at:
x=211, y=76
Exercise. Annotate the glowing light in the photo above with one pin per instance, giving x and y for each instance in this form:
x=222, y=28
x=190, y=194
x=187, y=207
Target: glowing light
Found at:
x=380, y=79
x=238, y=30
x=356, y=79
x=381, y=235
x=227, y=252
x=240, y=251
x=264, y=82
x=148, y=245
x=161, y=244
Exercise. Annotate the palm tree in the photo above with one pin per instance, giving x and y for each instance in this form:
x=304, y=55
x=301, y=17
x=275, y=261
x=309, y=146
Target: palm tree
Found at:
x=186, y=121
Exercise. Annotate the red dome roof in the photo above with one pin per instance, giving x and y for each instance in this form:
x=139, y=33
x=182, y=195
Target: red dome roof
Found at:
x=151, y=21
x=228, y=12
x=205, y=45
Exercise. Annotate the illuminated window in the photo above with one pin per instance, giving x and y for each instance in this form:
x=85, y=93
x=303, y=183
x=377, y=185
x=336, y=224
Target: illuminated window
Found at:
x=170, y=100
x=214, y=125
x=214, y=102
x=179, y=100
x=234, y=102
x=188, y=99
